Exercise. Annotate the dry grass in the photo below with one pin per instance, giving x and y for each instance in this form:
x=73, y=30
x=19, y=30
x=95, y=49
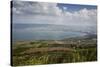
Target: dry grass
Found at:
x=34, y=50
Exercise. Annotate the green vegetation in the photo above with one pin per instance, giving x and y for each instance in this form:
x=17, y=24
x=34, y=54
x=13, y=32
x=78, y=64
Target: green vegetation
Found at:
x=52, y=52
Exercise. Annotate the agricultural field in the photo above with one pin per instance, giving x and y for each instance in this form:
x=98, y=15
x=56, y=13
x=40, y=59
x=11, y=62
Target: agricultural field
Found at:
x=54, y=51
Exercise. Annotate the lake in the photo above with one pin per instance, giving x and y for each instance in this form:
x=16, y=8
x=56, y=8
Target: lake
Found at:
x=22, y=32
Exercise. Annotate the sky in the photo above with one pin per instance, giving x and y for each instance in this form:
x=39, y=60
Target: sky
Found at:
x=78, y=17
x=53, y=13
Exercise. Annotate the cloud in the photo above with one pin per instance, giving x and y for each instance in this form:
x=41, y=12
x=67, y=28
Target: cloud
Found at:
x=50, y=13
x=32, y=8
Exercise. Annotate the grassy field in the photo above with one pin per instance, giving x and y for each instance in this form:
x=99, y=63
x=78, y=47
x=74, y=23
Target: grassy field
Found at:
x=53, y=51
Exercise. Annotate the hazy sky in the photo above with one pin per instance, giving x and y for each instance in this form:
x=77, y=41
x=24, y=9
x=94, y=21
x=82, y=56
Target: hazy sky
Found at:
x=53, y=13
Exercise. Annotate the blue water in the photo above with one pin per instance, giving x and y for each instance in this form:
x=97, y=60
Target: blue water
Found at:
x=43, y=32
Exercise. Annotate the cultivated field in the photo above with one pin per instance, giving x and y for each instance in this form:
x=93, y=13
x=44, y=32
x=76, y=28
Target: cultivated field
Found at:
x=54, y=51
